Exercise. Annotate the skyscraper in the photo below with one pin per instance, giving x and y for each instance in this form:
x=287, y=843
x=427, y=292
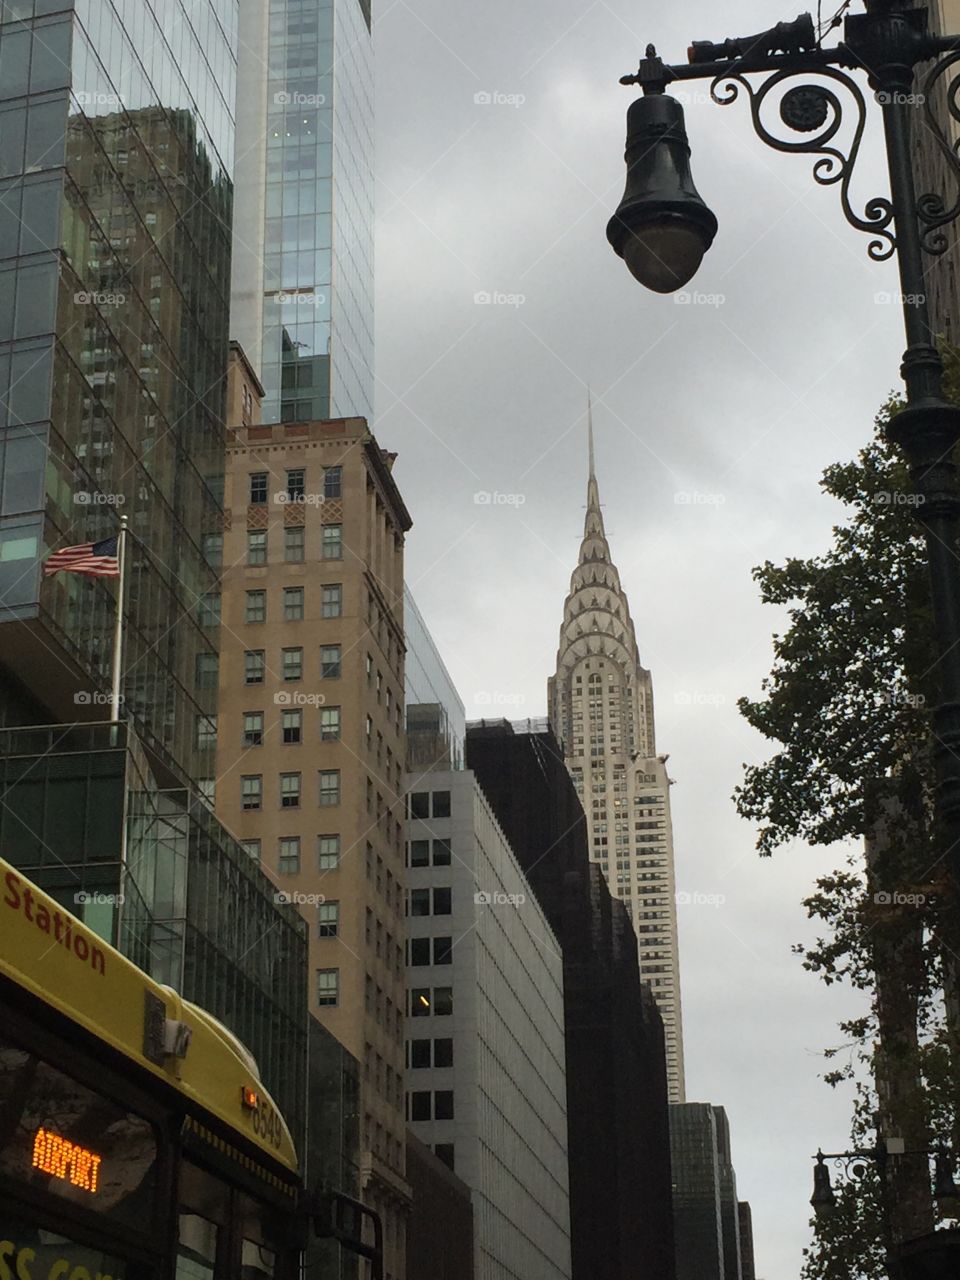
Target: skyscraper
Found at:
x=601, y=708
x=302, y=300
x=708, y=1218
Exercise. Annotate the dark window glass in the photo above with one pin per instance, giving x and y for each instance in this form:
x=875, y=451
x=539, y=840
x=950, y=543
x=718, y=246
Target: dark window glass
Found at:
x=443, y=1104
x=443, y=1053
x=332, y=482
x=12, y=130
x=421, y=1006
x=207, y=671
x=419, y=951
x=258, y=488
x=330, y=662
x=46, y=122
x=442, y=950
x=442, y=902
x=23, y=473
x=419, y=804
x=444, y=1152
x=443, y=1001
x=419, y=1054
x=420, y=1106
x=50, y=68
x=295, y=483
x=419, y=853
x=441, y=804
x=441, y=853
x=419, y=902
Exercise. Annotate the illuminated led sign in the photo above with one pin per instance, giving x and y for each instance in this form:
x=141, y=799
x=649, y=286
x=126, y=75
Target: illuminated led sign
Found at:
x=66, y=1160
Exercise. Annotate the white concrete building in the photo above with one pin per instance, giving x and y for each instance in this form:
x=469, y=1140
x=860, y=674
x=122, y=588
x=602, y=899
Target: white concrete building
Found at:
x=486, y=1083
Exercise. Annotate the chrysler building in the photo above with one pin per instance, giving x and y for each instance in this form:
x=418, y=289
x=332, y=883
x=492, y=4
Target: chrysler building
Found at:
x=601, y=707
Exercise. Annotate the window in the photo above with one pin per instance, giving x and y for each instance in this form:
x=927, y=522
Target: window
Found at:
x=292, y=604
x=293, y=664
x=256, y=606
x=328, y=986
x=329, y=786
x=289, y=791
x=328, y=852
x=443, y=1001
x=333, y=482
x=443, y=1053
x=207, y=671
x=441, y=853
x=332, y=542
x=443, y=950
x=419, y=951
x=421, y=1006
x=294, y=544
x=329, y=724
x=444, y=1151
x=420, y=1106
x=288, y=863
x=330, y=662
x=441, y=804
x=443, y=1104
x=253, y=728
x=332, y=600
x=208, y=609
x=442, y=902
x=420, y=804
x=419, y=902
x=206, y=732
x=213, y=549
x=253, y=666
x=419, y=1054
x=328, y=919
x=291, y=724
x=369, y=668
x=419, y=853
x=256, y=546
x=296, y=486
x=258, y=488
x=251, y=791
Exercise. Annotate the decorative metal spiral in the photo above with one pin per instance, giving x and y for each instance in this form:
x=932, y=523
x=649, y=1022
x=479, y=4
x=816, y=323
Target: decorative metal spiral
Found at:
x=932, y=209
x=817, y=110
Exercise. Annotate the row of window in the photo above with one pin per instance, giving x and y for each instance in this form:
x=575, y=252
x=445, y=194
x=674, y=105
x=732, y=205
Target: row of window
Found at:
x=425, y=853
x=290, y=787
x=294, y=544
x=426, y=1001
x=291, y=664
x=295, y=485
x=428, y=804
x=421, y=951
x=430, y=902
x=289, y=853
x=434, y=1105
x=291, y=726
x=331, y=603
x=422, y=1054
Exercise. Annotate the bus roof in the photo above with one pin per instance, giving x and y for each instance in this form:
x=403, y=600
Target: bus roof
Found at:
x=53, y=955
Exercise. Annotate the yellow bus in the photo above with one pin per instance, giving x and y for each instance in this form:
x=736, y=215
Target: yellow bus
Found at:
x=136, y=1140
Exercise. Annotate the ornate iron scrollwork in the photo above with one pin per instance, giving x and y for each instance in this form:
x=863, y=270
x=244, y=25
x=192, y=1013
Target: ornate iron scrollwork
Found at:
x=815, y=109
x=932, y=209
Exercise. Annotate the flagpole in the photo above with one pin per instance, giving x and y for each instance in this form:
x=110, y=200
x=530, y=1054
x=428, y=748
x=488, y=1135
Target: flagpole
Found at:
x=118, y=624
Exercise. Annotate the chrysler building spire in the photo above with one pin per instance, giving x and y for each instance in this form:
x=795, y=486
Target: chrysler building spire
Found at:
x=601, y=708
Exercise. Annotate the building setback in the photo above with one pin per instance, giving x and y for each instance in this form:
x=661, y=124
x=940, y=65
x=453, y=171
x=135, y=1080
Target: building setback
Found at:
x=601, y=708
x=747, y=1265
x=486, y=1082
x=302, y=304
x=310, y=738
x=707, y=1214
x=621, y=1224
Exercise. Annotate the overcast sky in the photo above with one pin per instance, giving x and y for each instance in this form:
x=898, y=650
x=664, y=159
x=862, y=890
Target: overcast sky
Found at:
x=739, y=404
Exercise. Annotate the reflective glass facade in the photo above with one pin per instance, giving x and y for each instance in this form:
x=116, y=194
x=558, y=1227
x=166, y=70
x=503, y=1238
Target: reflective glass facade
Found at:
x=436, y=723
x=116, y=147
x=303, y=272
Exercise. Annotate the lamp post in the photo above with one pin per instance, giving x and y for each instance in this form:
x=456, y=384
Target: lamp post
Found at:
x=662, y=229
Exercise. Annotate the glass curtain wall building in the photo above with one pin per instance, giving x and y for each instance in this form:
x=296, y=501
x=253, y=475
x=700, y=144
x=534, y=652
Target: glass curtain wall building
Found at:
x=116, y=150
x=302, y=304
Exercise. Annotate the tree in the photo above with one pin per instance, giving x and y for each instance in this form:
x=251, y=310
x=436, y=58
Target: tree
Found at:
x=846, y=702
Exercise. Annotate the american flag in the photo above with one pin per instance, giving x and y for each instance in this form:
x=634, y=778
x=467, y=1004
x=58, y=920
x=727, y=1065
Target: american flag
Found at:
x=95, y=559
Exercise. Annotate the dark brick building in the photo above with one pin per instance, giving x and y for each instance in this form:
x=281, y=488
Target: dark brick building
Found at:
x=618, y=1131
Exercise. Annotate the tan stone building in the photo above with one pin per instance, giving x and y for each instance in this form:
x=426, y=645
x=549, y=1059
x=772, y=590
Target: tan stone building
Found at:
x=310, y=733
x=601, y=708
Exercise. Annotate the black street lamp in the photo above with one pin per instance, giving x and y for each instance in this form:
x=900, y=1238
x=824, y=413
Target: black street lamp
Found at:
x=662, y=229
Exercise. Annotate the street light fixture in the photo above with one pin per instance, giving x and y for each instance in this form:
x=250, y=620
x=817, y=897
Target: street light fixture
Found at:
x=662, y=229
